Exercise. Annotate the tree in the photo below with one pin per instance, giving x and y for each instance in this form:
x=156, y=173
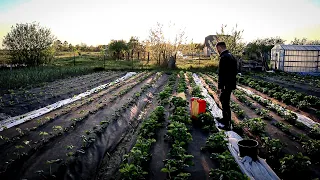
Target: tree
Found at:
x=261, y=48
x=29, y=44
x=232, y=39
x=83, y=47
x=159, y=45
x=65, y=46
x=297, y=41
x=304, y=41
x=117, y=46
x=70, y=48
x=57, y=45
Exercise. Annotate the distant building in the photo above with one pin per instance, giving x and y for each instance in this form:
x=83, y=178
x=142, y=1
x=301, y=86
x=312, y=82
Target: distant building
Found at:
x=207, y=49
x=213, y=39
x=296, y=58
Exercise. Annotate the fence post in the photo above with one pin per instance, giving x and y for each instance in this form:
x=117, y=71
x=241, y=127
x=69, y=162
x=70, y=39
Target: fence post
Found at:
x=138, y=55
x=148, y=56
x=74, y=59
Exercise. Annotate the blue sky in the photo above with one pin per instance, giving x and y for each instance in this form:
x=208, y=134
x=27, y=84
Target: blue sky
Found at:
x=98, y=21
x=6, y=5
x=316, y=2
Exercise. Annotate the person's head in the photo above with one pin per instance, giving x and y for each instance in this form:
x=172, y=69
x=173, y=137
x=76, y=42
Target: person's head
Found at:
x=221, y=46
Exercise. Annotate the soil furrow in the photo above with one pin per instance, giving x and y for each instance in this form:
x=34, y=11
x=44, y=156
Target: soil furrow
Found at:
x=86, y=165
x=64, y=122
x=37, y=99
x=111, y=162
x=76, y=110
x=202, y=162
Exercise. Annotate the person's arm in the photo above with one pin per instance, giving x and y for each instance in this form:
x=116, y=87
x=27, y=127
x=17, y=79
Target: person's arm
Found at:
x=221, y=73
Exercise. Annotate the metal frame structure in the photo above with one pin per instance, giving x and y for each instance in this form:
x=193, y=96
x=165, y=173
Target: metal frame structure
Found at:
x=296, y=58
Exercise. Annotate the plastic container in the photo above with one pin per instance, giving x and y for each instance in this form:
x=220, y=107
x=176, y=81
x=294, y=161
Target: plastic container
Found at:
x=248, y=147
x=198, y=106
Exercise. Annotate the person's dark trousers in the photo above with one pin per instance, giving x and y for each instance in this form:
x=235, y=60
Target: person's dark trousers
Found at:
x=225, y=102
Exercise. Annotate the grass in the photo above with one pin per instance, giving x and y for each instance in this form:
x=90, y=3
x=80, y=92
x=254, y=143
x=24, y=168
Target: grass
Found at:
x=66, y=65
x=4, y=58
x=32, y=76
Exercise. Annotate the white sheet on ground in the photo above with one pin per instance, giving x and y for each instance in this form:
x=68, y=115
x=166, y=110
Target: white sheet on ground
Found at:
x=13, y=121
x=255, y=170
x=215, y=110
x=301, y=118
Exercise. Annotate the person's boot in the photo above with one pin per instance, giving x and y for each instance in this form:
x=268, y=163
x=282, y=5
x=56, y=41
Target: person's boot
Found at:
x=225, y=127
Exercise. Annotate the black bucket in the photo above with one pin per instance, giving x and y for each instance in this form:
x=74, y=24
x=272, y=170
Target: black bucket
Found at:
x=248, y=147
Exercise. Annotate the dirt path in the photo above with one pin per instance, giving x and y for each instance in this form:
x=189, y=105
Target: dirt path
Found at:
x=22, y=101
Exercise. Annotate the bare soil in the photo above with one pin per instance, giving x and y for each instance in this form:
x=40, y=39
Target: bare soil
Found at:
x=22, y=101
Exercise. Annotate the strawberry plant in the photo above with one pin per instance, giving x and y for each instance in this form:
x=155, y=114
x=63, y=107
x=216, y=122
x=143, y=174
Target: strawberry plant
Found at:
x=180, y=118
x=294, y=166
x=178, y=101
x=303, y=104
x=315, y=132
x=182, y=86
x=228, y=168
x=139, y=155
x=43, y=134
x=226, y=160
x=290, y=116
x=140, y=152
x=312, y=148
x=283, y=127
x=217, y=174
x=216, y=142
x=196, y=92
x=273, y=147
x=19, y=153
x=236, y=109
x=207, y=122
x=264, y=114
x=178, y=131
x=132, y=172
x=255, y=125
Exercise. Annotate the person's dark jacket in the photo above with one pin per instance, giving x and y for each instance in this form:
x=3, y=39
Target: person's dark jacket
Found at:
x=227, y=71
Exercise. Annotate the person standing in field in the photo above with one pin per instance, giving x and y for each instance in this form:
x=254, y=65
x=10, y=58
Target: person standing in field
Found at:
x=226, y=82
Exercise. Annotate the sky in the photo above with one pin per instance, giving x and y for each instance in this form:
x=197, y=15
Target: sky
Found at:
x=98, y=21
